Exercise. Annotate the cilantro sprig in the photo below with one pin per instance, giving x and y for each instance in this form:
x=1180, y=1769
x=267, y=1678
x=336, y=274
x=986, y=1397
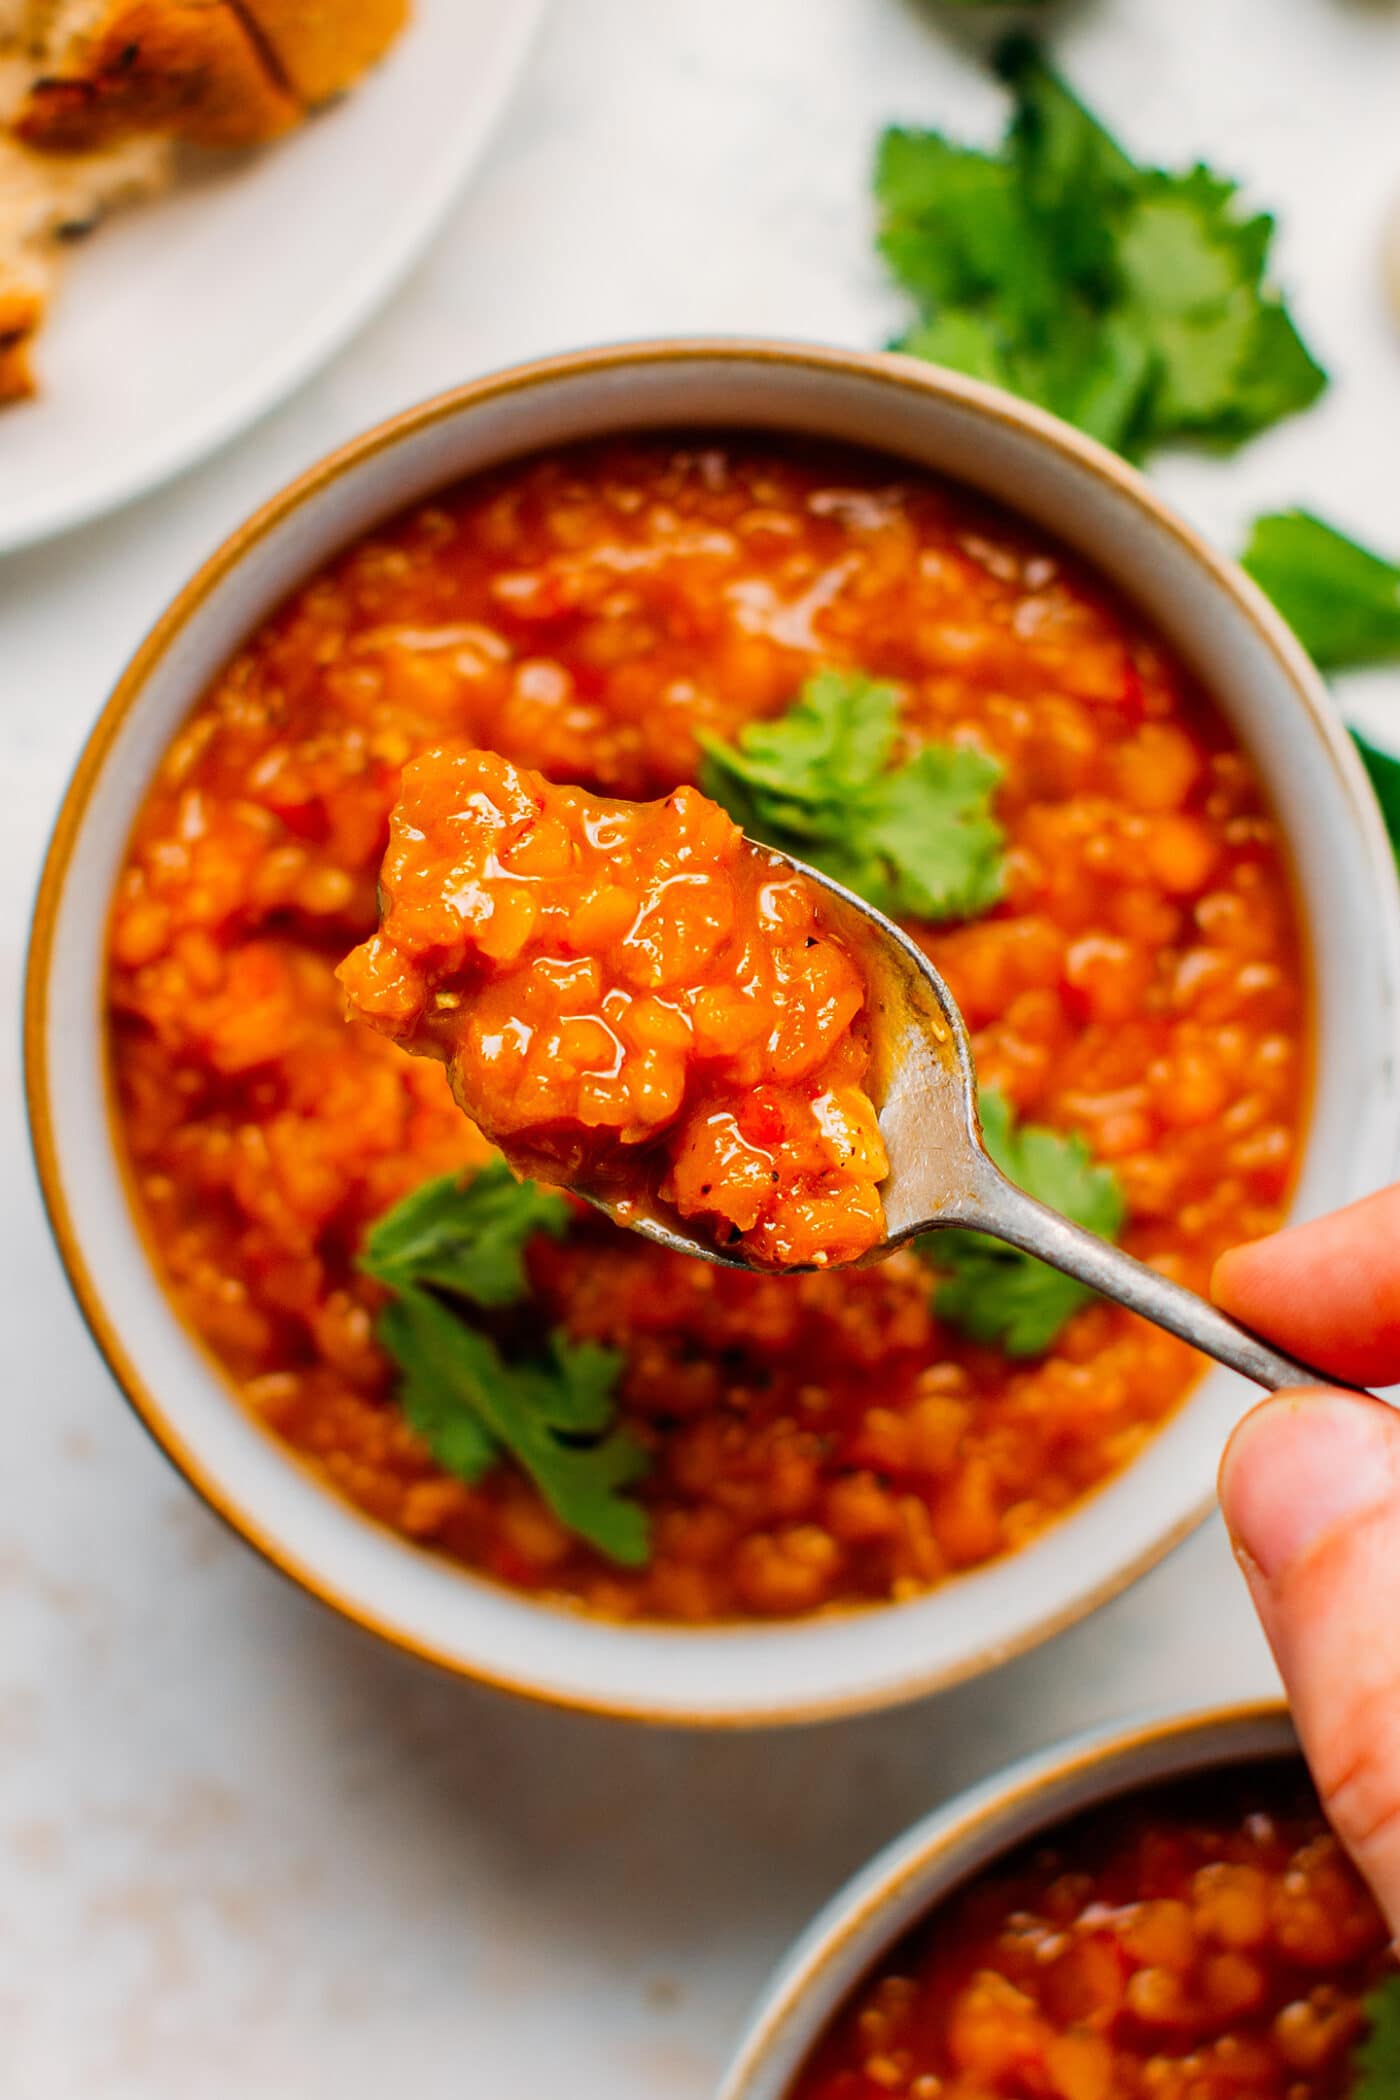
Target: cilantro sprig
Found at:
x=994, y=1293
x=1341, y=600
x=465, y=1236
x=1384, y=770
x=820, y=782
x=455, y=1246
x=1129, y=300
x=1376, y=2061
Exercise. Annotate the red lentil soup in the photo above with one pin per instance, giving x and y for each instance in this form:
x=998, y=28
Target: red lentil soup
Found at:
x=814, y=1439
x=1206, y=1941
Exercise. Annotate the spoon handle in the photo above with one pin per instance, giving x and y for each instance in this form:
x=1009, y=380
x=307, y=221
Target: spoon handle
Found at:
x=998, y=1207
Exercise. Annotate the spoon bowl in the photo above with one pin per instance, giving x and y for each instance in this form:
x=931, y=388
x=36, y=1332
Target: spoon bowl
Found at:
x=924, y=1088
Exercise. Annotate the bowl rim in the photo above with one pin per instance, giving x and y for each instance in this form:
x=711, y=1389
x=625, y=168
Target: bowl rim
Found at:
x=901, y=374
x=922, y=1868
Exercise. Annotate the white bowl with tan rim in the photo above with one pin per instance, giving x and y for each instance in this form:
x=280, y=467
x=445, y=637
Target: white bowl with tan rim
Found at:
x=911, y=1877
x=1211, y=615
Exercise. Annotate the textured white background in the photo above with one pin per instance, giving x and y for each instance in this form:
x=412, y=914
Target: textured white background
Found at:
x=242, y=1849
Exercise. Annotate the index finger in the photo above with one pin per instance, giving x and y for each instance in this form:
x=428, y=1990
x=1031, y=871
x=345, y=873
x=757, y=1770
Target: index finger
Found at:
x=1327, y=1291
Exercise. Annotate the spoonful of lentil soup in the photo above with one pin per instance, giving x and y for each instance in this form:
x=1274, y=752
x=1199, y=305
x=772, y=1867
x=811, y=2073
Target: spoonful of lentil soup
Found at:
x=720, y=1047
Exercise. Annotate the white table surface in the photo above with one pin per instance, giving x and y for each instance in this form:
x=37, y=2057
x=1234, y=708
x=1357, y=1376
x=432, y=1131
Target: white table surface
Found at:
x=242, y=1848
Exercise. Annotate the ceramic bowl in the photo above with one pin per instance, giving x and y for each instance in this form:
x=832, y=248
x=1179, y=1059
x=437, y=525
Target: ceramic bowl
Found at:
x=914, y=1874
x=1210, y=613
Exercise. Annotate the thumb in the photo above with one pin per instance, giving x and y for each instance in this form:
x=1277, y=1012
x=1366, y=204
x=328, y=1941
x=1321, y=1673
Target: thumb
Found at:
x=1310, y=1487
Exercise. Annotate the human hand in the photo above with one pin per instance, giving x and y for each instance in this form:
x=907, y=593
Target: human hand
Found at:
x=1310, y=1488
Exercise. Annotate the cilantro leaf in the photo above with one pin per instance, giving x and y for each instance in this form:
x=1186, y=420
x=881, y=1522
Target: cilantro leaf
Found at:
x=1377, y=2057
x=467, y=1236
x=1341, y=600
x=994, y=1293
x=1385, y=779
x=1129, y=300
x=576, y=1388
x=454, y=1246
x=430, y=1344
x=555, y=1403
x=818, y=782
x=967, y=340
x=931, y=848
x=1226, y=362
x=951, y=219
x=1064, y=159
x=1283, y=377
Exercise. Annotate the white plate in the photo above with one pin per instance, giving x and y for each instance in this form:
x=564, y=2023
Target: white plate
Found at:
x=184, y=319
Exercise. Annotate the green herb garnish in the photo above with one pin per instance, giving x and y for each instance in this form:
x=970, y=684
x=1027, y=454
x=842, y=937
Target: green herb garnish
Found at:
x=456, y=1245
x=1342, y=601
x=1128, y=300
x=915, y=836
x=994, y=1293
x=1377, y=2058
x=1385, y=779
x=465, y=1236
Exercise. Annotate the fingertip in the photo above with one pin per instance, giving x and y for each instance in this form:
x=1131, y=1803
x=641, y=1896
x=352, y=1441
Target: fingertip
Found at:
x=1230, y=1278
x=1301, y=1467
x=1310, y=1486
x=1327, y=1290
x=1233, y=1456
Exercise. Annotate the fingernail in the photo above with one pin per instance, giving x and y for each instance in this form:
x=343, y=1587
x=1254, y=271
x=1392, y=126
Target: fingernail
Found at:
x=1300, y=1468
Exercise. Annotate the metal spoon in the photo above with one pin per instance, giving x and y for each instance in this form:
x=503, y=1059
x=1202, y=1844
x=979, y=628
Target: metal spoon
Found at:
x=923, y=1086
